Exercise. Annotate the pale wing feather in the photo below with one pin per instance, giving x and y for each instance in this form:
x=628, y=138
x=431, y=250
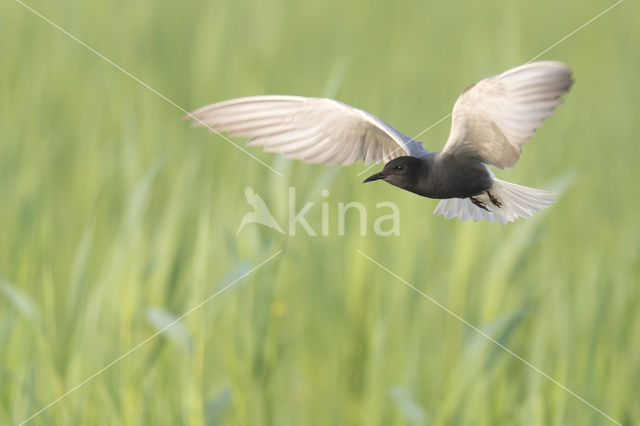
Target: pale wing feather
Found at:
x=495, y=117
x=315, y=130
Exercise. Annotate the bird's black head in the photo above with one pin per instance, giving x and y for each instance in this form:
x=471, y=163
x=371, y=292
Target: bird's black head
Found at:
x=403, y=172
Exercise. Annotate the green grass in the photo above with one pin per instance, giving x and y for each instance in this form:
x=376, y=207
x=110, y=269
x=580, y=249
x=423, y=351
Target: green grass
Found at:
x=116, y=218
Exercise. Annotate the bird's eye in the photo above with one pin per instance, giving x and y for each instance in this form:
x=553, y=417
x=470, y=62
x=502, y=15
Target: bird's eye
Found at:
x=398, y=167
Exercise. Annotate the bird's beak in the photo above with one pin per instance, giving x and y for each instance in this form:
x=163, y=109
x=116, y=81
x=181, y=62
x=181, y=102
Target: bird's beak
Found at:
x=374, y=177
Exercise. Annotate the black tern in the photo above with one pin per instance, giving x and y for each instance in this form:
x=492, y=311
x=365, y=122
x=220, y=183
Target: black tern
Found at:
x=491, y=121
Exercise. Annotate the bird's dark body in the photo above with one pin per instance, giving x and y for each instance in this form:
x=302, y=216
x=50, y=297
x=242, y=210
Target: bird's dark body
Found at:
x=451, y=176
x=437, y=175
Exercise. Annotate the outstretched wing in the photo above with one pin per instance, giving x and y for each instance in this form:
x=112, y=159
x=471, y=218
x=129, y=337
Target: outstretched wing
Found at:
x=495, y=117
x=315, y=130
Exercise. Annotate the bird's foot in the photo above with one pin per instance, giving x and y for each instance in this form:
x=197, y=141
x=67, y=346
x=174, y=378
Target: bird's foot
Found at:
x=494, y=200
x=479, y=203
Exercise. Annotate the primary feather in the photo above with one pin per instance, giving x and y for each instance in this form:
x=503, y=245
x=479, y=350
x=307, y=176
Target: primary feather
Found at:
x=315, y=130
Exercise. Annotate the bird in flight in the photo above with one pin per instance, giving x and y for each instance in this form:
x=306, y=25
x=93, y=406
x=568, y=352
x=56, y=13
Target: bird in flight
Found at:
x=491, y=121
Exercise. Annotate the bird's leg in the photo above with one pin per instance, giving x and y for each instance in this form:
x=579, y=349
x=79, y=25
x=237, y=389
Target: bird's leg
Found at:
x=479, y=203
x=494, y=200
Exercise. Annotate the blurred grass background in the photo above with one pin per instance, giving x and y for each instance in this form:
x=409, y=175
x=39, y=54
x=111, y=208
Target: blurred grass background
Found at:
x=116, y=217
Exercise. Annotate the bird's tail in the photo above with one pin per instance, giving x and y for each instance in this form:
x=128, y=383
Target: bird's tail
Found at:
x=504, y=203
